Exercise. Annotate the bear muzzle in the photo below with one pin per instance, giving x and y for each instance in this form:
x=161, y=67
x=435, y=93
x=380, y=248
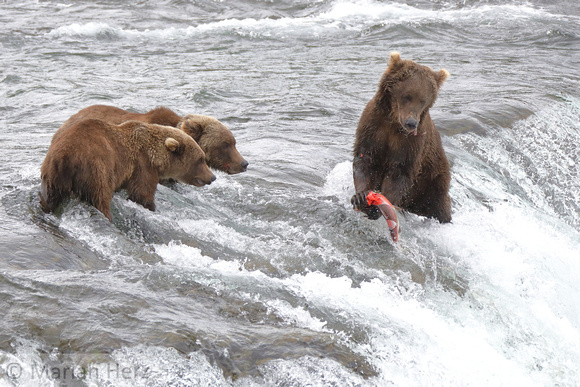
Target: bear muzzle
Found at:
x=235, y=168
x=200, y=182
x=411, y=124
x=243, y=167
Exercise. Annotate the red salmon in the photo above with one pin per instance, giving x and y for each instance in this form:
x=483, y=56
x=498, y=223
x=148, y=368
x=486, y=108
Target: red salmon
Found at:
x=388, y=211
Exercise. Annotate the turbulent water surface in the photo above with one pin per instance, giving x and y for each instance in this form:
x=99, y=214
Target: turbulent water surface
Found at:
x=269, y=277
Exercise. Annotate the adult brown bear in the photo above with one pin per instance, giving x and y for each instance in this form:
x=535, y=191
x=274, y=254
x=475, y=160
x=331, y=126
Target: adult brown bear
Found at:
x=92, y=159
x=397, y=149
x=216, y=140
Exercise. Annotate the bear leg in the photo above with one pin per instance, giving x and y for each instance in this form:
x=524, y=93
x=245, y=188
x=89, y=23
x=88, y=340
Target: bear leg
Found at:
x=141, y=188
x=146, y=200
x=53, y=191
x=50, y=197
x=434, y=203
x=103, y=204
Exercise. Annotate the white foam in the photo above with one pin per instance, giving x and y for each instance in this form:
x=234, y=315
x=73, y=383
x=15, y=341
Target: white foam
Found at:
x=86, y=224
x=351, y=15
x=234, y=275
x=212, y=230
x=522, y=274
x=90, y=29
x=537, y=157
x=25, y=367
x=296, y=316
x=191, y=257
x=372, y=11
x=411, y=342
x=306, y=371
x=339, y=182
x=156, y=366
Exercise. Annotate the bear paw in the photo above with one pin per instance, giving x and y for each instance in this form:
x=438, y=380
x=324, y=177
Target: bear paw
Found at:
x=359, y=203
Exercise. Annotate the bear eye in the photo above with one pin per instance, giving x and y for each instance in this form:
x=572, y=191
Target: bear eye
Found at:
x=407, y=98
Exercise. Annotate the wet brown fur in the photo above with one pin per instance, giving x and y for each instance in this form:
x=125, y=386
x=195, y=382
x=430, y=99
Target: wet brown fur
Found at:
x=92, y=159
x=216, y=140
x=397, y=149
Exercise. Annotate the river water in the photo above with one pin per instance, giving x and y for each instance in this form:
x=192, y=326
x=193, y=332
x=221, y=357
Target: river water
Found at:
x=269, y=277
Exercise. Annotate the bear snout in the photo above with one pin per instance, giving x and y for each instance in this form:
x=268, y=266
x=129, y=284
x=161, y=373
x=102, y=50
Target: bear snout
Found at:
x=210, y=180
x=236, y=167
x=411, y=124
x=200, y=182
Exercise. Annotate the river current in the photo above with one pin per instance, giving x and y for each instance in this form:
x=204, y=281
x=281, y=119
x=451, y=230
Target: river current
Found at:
x=269, y=277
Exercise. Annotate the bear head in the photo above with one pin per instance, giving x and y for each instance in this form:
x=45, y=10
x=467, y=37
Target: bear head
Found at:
x=408, y=90
x=217, y=141
x=186, y=161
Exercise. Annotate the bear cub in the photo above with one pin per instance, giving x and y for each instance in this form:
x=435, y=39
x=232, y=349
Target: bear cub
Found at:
x=92, y=159
x=397, y=149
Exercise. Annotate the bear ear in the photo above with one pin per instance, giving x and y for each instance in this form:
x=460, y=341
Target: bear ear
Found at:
x=192, y=127
x=172, y=144
x=394, y=59
x=441, y=76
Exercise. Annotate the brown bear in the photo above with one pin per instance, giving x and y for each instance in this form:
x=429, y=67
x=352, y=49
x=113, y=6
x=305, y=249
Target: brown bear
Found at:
x=216, y=140
x=397, y=149
x=92, y=159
